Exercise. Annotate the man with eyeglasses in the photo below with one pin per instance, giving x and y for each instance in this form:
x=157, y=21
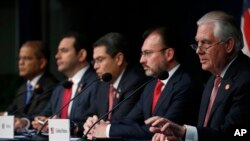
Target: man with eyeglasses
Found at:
x=224, y=110
x=205, y=45
x=176, y=97
x=111, y=55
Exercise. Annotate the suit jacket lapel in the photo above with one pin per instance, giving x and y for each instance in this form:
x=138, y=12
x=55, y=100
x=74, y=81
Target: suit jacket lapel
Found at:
x=148, y=99
x=225, y=86
x=164, y=98
x=205, y=101
x=22, y=93
x=222, y=94
x=104, y=94
x=83, y=83
x=123, y=87
x=168, y=90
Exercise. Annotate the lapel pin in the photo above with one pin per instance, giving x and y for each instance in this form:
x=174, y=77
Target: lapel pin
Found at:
x=79, y=88
x=227, y=86
x=117, y=95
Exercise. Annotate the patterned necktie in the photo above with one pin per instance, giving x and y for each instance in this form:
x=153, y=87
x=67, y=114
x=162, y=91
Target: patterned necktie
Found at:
x=157, y=93
x=112, y=92
x=212, y=98
x=28, y=92
x=65, y=101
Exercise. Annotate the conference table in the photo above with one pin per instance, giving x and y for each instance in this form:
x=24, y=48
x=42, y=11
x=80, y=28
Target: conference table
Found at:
x=29, y=138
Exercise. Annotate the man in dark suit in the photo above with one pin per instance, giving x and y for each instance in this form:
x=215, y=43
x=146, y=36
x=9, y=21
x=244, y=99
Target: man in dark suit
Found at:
x=179, y=94
x=226, y=111
x=111, y=55
x=72, y=61
x=32, y=64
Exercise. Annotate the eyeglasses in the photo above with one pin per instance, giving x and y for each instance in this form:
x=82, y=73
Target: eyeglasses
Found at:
x=148, y=53
x=98, y=61
x=205, y=46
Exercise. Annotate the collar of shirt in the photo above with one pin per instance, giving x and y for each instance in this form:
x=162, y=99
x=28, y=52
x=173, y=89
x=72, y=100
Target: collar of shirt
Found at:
x=76, y=79
x=117, y=81
x=34, y=81
x=170, y=74
x=78, y=76
x=226, y=68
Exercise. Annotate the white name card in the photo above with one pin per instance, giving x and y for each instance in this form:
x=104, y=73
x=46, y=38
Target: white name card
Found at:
x=7, y=127
x=59, y=130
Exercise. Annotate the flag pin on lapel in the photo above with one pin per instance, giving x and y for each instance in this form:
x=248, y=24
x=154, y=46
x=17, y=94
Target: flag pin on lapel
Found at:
x=227, y=86
x=79, y=88
x=118, y=93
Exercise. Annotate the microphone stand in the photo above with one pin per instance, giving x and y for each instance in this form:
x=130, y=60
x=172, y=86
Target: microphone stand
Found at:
x=38, y=136
x=84, y=138
x=162, y=75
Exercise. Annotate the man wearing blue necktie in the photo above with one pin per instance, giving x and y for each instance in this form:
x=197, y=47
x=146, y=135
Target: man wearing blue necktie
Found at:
x=33, y=95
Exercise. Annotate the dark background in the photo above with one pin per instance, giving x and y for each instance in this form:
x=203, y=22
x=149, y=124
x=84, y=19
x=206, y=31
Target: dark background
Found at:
x=22, y=20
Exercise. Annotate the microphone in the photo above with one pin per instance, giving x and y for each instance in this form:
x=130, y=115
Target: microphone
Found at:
x=39, y=90
x=162, y=76
x=105, y=77
x=67, y=84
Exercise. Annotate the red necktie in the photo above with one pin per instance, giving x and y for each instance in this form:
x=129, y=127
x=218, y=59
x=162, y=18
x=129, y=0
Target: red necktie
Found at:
x=65, y=100
x=111, y=99
x=157, y=93
x=212, y=98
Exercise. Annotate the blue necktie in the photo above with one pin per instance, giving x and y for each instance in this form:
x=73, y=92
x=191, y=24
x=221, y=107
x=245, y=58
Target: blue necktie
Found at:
x=28, y=93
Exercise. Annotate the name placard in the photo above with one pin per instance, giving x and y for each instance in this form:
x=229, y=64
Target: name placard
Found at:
x=59, y=130
x=7, y=127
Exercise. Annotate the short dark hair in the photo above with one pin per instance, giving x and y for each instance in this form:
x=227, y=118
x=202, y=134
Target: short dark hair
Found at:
x=170, y=39
x=41, y=51
x=114, y=43
x=81, y=41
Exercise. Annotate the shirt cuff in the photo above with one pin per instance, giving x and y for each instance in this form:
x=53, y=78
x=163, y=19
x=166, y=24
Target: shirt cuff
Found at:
x=5, y=113
x=191, y=133
x=107, y=130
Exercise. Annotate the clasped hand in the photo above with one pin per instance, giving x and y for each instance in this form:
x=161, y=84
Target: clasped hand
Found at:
x=97, y=130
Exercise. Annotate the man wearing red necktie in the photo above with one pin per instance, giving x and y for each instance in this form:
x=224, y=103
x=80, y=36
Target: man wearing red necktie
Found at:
x=111, y=54
x=174, y=97
x=73, y=62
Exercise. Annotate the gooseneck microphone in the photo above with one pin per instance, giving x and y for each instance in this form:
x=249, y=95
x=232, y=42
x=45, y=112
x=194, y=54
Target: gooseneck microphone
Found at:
x=67, y=84
x=162, y=76
x=23, y=106
x=39, y=90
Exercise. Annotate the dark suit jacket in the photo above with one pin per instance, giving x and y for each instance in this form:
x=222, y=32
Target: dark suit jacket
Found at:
x=81, y=103
x=231, y=106
x=82, y=100
x=38, y=99
x=178, y=102
x=131, y=79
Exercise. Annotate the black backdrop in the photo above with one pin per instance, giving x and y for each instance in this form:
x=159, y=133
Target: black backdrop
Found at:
x=41, y=19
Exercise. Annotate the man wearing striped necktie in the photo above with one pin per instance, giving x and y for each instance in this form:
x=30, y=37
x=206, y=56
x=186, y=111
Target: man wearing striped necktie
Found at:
x=225, y=103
